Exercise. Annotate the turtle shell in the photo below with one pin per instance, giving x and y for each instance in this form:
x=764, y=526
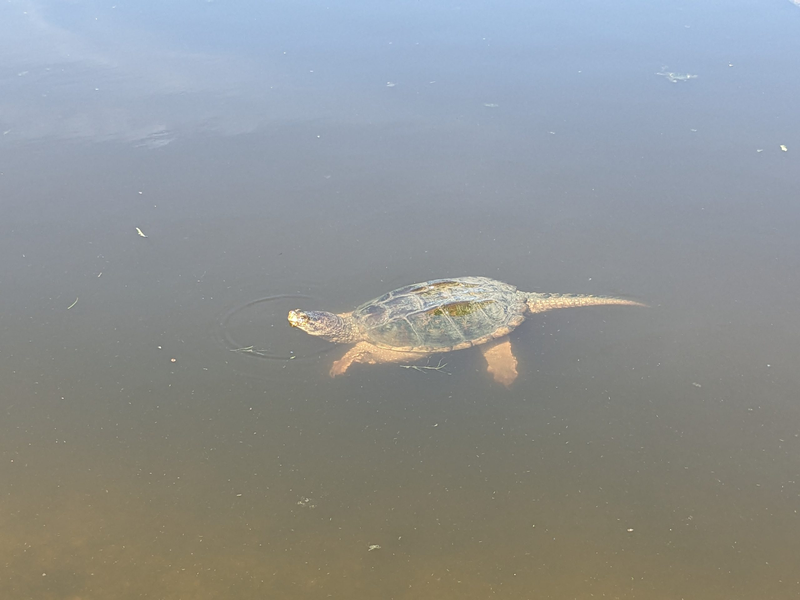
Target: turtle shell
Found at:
x=441, y=315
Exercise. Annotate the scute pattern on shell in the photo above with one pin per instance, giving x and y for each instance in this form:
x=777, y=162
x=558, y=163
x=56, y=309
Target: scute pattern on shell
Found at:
x=441, y=315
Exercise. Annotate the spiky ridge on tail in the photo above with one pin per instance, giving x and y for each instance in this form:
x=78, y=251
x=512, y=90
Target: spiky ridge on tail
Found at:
x=541, y=302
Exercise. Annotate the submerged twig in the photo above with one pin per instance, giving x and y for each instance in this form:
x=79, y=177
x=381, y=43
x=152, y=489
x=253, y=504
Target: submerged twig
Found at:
x=422, y=369
x=249, y=350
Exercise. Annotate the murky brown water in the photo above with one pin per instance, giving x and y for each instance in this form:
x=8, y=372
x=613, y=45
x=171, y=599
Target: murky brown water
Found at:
x=318, y=155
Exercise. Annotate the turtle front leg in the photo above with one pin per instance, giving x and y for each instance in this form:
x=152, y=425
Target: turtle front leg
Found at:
x=502, y=363
x=366, y=353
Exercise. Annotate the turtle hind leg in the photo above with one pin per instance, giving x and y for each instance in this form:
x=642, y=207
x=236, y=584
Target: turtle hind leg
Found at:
x=502, y=363
x=366, y=353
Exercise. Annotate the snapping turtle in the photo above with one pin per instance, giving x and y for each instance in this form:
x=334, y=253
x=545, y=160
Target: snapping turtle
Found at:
x=438, y=316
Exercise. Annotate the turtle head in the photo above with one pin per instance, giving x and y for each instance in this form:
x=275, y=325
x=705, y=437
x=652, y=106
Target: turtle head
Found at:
x=320, y=323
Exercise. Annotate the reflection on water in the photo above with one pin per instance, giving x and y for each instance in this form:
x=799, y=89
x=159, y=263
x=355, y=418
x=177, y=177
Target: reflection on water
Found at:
x=145, y=452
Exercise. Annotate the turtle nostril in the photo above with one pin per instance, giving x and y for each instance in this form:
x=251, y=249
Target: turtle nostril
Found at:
x=297, y=318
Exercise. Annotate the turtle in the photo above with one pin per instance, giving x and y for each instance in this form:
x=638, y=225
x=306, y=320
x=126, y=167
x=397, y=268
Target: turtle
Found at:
x=438, y=316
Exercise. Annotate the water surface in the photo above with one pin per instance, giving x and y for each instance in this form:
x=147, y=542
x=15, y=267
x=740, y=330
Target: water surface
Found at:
x=312, y=155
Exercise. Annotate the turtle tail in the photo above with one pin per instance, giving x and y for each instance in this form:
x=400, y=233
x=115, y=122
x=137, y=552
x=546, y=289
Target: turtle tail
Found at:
x=541, y=302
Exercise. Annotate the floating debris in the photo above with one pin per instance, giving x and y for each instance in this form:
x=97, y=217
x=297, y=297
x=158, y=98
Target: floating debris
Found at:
x=490, y=105
x=306, y=502
x=140, y=232
x=390, y=84
x=373, y=547
x=252, y=350
x=73, y=304
x=783, y=147
x=674, y=77
x=422, y=369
